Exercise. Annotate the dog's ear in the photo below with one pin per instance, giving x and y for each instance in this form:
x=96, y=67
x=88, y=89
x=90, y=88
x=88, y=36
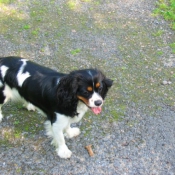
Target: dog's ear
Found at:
x=106, y=84
x=67, y=87
x=66, y=94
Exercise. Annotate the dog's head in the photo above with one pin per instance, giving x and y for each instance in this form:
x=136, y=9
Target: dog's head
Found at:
x=92, y=88
x=89, y=86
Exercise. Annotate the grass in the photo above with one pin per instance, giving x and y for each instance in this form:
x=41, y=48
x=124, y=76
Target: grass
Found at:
x=6, y=1
x=158, y=33
x=21, y=124
x=166, y=8
x=172, y=45
x=75, y=51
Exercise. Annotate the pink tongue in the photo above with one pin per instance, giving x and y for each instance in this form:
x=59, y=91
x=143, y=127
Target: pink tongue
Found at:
x=96, y=110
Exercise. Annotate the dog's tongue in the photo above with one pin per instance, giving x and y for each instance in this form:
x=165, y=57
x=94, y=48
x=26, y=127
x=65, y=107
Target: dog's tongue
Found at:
x=96, y=110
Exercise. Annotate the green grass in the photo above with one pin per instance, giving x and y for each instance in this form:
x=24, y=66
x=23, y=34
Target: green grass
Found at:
x=75, y=52
x=166, y=8
x=172, y=45
x=158, y=33
x=6, y=1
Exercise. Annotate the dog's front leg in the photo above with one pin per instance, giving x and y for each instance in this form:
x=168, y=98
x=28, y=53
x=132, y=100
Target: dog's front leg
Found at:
x=62, y=149
x=72, y=132
x=58, y=137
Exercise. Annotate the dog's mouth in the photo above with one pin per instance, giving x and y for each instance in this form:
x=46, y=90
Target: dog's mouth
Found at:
x=96, y=110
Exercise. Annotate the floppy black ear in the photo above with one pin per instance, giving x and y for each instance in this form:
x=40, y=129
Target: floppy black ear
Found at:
x=107, y=83
x=66, y=95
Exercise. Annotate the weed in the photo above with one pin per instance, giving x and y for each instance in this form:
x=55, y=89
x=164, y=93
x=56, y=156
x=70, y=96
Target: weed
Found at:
x=16, y=122
x=172, y=45
x=158, y=33
x=35, y=32
x=59, y=11
x=167, y=10
x=123, y=68
x=17, y=135
x=96, y=3
x=75, y=52
x=26, y=27
x=71, y=4
x=159, y=52
x=117, y=116
x=6, y=143
x=18, y=170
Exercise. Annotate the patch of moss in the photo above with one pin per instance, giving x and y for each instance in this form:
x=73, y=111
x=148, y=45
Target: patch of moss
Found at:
x=24, y=122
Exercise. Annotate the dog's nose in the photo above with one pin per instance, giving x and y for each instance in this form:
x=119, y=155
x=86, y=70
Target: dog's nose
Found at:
x=98, y=102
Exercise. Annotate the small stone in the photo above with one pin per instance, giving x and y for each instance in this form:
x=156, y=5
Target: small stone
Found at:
x=169, y=82
x=164, y=82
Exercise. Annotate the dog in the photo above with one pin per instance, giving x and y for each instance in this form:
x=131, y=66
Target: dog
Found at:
x=62, y=98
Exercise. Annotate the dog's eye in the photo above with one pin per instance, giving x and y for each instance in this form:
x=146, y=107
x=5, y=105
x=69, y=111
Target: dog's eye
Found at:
x=100, y=88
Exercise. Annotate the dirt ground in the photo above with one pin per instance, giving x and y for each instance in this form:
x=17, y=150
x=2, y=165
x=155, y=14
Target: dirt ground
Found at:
x=135, y=134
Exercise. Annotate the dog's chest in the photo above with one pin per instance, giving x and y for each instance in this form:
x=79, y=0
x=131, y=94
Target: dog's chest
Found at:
x=81, y=110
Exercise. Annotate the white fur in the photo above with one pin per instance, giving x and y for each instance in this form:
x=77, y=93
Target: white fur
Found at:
x=3, y=70
x=72, y=132
x=14, y=95
x=11, y=94
x=21, y=77
x=61, y=125
x=94, y=98
x=1, y=116
x=63, y=151
x=30, y=107
x=58, y=81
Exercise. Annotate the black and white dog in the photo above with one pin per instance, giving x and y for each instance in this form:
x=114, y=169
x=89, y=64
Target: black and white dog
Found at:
x=63, y=98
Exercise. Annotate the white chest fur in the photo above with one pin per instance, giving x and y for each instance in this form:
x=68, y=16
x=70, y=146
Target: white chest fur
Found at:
x=81, y=110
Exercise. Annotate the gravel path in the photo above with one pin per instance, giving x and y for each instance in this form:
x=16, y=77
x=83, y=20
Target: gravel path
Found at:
x=135, y=133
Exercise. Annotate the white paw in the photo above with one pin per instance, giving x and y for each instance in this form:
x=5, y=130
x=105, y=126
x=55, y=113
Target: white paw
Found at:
x=64, y=152
x=72, y=132
x=30, y=107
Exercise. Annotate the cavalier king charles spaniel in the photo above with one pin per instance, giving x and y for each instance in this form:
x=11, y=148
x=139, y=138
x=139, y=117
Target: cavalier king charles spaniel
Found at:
x=63, y=98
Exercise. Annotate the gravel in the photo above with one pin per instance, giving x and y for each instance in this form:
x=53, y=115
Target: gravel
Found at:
x=135, y=133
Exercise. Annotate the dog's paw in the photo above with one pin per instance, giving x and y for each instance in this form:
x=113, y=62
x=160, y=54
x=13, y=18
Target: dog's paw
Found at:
x=72, y=132
x=64, y=152
x=30, y=107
